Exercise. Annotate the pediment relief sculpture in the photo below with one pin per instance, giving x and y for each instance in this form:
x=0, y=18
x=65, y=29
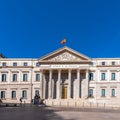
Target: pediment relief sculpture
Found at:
x=66, y=56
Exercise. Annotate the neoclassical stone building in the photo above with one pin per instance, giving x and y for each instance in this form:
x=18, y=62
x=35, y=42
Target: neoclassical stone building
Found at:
x=64, y=74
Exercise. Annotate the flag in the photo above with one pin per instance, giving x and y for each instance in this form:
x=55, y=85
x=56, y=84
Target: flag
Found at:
x=63, y=41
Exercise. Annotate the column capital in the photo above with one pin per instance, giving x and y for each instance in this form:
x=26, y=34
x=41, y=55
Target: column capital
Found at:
x=50, y=70
x=59, y=69
x=78, y=70
x=70, y=70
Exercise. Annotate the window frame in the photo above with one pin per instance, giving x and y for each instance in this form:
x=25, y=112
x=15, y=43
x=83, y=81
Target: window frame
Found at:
x=113, y=76
x=112, y=92
x=103, y=93
x=91, y=76
x=37, y=77
x=103, y=76
x=13, y=94
x=91, y=93
x=37, y=64
x=14, y=63
x=4, y=77
x=25, y=77
x=37, y=92
x=2, y=94
x=14, y=78
x=25, y=64
x=4, y=64
x=24, y=94
x=113, y=63
x=103, y=63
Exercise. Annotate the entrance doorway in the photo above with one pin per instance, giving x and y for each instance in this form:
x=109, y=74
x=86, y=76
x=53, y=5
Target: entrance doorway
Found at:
x=64, y=92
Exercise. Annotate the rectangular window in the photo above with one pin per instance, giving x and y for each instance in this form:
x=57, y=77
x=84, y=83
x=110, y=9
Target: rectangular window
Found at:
x=102, y=76
x=37, y=64
x=14, y=77
x=14, y=64
x=25, y=77
x=4, y=77
x=103, y=92
x=91, y=76
x=103, y=63
x=90, y=92
x=113, y=63
x=112, y=76
x=4, y=64
x=37, y=92
x=25, y=64
x=37, y=77
x=24, y=94
x=13, y=94
x=2, y=94
x=113, y=92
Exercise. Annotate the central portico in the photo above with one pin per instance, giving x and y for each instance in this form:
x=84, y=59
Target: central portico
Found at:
x=64, y=75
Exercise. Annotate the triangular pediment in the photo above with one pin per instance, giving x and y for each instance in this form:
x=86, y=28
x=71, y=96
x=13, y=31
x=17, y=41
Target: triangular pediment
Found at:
x=65, y=54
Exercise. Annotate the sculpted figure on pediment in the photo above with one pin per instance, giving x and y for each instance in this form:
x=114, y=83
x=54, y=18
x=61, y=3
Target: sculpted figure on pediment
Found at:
x=66, y=56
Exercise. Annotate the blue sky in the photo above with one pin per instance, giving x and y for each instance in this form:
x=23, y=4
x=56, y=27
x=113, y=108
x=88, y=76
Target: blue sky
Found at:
x=34, y=28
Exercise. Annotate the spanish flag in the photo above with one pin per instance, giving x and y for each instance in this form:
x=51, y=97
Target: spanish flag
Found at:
x=63, y=41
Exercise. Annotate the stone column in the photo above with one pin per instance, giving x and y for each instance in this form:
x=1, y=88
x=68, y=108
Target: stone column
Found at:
x=58, y=85
x=44, y=86
x=41, y=83
x=78, y=84
x=87, y=84
x=50, y=84
x=69, y=83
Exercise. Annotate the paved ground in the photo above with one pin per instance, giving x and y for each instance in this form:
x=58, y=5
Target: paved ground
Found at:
x=57, y=113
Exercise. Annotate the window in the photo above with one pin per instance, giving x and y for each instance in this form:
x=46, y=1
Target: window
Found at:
x=102, y=76
x=14, y=77
x=4, y=64
x=91, y=76
x=4, y=77
x=13, y=94
x=2, y=94
x=103, y=63
x=24, y=77
x=37, y=77
x=37, y=92
x=112, y=76
x=25, y=64
x=103, y=92
x=24, y=94
x=91, y=63
x=113, y=63
x=90, y=92
x=37, y=64
x=113, y=93
x=14, y=64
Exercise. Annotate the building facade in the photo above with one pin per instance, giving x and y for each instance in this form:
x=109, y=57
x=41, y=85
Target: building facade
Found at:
x=64, y=74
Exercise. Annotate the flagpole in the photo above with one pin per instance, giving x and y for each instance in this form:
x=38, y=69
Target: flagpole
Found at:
x=65, y=44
